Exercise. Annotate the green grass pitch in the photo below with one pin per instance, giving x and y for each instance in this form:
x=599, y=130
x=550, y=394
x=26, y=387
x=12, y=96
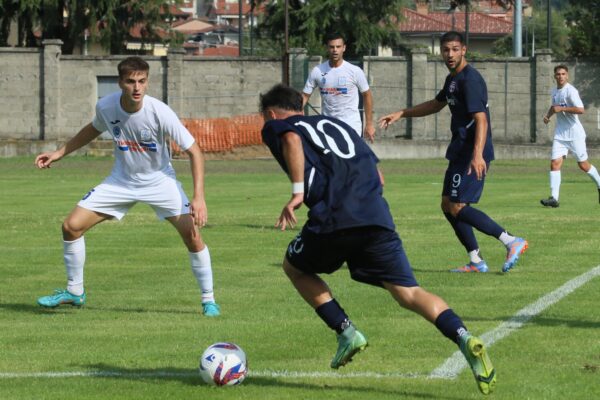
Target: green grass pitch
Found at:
x=141, y=332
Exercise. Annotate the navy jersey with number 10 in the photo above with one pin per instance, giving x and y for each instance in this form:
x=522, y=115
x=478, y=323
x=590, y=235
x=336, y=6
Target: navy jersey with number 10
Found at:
x=342, y=188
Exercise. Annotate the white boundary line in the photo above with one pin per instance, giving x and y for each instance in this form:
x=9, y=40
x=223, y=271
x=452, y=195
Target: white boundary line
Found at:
x=450, y=369
x=165, y=374
x=456, y=363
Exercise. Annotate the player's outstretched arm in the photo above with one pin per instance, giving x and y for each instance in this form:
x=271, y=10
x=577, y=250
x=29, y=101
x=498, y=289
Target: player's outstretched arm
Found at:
x=429, y=107
x=293, y=153
x=198, y=208
x=83, y=137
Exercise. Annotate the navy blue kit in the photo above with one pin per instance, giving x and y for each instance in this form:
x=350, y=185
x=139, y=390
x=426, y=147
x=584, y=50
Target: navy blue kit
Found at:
x=348, y=219
x=466, y=94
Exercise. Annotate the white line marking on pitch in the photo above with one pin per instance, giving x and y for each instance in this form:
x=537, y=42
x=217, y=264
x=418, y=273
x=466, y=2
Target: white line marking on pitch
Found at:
x=165, y=374
x=450, y=369
x=456, y=363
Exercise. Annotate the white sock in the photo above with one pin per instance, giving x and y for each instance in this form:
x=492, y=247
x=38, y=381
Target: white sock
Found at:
x=474, y=256
x=202, y=269
x=74, y=256
x=593, y=173
x=506, y=239
x=554, y=183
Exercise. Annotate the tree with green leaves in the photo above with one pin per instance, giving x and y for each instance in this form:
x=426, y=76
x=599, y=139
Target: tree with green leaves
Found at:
x=535, y=28
x=364, y=24
x=583, y=20
x=108, y=21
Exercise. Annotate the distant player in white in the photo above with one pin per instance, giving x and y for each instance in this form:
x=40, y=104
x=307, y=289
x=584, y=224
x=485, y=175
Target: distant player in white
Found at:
x=142, y=172
x=568, y=134
x=339, y=83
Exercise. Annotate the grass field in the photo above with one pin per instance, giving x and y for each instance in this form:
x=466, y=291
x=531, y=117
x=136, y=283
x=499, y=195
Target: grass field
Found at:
x=141, y=332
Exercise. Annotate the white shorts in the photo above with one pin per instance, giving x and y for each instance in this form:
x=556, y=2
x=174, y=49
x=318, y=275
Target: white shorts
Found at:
x=166, y=198
x=560, y=148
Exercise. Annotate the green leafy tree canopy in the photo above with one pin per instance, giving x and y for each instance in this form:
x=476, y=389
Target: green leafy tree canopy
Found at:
x=364, y=24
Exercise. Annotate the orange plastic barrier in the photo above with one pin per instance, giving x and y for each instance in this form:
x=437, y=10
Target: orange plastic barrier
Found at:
x=223, y=134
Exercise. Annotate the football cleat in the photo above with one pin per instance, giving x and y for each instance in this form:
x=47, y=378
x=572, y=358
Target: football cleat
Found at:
x=515, y=249
x=480, y=363
x=550, y=202
x=61, y=296
x=350, y=342
x=211, y=309
x=481, y=266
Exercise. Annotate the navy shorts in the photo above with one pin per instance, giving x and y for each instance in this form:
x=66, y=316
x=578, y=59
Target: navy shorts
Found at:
x=461, y=187
x=373, y=254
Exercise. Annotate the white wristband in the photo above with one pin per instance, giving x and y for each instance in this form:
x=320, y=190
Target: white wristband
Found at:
x=297, y=187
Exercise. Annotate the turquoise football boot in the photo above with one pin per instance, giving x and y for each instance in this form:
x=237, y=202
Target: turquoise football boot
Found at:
x=350, y=342
x=211, y=309
x=61, y=296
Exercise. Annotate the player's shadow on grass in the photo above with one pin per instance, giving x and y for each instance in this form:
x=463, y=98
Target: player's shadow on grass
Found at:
x=33, y=308
x=190, y=377
x=142, y=310
x=66, y=309
x=341, y=385
x=540, y=321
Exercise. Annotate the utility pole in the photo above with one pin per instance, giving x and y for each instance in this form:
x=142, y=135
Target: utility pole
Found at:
x=549, y=24
x=240, y=25
x=286, y=55
x=517, y=29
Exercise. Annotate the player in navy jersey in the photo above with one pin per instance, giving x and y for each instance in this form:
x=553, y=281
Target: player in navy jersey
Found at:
x=469, y=153
x=334, y=173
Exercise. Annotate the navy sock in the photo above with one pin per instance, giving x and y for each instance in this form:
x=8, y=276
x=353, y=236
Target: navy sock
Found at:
x=333, y=315
x=464, y=233
x=450, y=325
x=480, y=221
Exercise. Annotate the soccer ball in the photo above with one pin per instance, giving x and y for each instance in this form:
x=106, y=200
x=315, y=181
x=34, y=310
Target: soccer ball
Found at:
x=223, y=364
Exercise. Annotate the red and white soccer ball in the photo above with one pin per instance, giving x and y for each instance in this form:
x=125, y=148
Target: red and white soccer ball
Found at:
x=223, y=364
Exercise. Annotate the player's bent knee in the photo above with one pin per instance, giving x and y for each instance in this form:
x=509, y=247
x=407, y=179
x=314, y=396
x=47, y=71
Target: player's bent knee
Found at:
x=71, y=231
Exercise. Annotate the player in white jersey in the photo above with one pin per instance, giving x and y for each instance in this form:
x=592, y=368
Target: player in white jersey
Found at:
x=569, y=134
x=339, y=83
x=139, y=125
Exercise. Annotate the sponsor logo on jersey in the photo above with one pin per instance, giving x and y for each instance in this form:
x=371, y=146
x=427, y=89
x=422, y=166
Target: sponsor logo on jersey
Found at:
x=116, y=131
x=334, y=91
x=452, y=87
x=116, y=121
x=130, y=145
x=145, y=136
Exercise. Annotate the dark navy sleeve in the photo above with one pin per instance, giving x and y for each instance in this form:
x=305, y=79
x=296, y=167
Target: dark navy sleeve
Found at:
x=475, y=95
x=441, y=96
x=271, y=136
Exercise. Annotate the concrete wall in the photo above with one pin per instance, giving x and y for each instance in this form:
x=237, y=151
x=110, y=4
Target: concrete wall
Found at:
x=20, y=95
x=50, y=96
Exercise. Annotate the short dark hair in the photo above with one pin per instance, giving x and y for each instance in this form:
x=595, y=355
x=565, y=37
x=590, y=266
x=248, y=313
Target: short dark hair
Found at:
x=452, y=36
x=132, y=64
x=281, y=96
x=561, y=66
x=334, y=36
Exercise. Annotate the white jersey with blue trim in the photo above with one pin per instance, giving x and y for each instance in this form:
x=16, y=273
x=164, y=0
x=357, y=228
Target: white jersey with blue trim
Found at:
x=339, y=88
x=141, y=147
x=568, y=126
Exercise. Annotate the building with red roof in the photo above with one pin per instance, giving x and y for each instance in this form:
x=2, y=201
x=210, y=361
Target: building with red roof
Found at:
x=487, y=21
